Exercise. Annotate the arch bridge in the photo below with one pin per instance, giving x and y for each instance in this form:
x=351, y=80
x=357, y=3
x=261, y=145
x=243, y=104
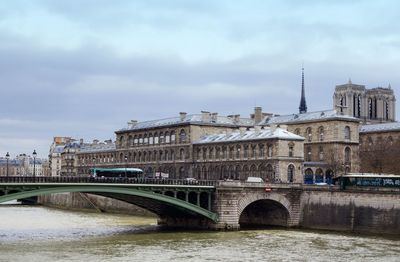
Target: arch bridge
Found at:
x=178, y=203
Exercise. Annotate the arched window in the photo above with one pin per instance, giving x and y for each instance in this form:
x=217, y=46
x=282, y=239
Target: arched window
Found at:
x=204, y=153
x=167, y=138
x=261, y=151
x=291, y=149
x=238, y=151
x=297, y=131
x=321, y=153
x=121, y=141
x=224, y=152
x=319, y=176
x=211, y=153
x=370, y=109
x=182, y=154
x=270, y=173
x=321, y=134
x=162, y=138
x=308, y=176
x=309, y=134
x=173, y=137
x=231, y=152
x=269, y=150
x=290, y=173
x=156, y=139
x=347, y=155
x=140, y=140
x=182, y=136
x=246, y=151
x=130, y=140
x=145, y=139
x=254, y=151
x=308, y=156
x=151, y=139
x=347, y=134
x=218, y=153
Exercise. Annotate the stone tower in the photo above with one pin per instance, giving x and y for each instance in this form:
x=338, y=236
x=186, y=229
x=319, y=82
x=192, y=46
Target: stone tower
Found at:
x=375, y=105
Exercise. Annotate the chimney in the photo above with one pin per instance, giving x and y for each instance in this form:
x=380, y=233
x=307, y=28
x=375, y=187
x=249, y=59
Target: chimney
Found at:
x=214, y=117
x=205, y=116
x=132, y=123
x=236, y=119
x=109, y=141
x=81, y=141
x=95, y=141
x=258, y=114
x=182, y=115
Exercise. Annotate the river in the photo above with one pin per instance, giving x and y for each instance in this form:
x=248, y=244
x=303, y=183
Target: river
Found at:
x=32, y=233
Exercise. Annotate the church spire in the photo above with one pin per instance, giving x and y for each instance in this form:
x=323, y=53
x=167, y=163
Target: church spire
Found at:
x=303, y=105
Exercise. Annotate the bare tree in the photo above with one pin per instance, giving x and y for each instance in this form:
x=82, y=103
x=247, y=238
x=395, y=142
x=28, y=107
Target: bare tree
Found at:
x=382, y=156
x=334, y=161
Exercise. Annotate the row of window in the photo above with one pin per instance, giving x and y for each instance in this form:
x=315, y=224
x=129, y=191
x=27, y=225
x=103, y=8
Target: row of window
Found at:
x=321, y=133
x=378, y=140
x=156, y=138
x=321, y=154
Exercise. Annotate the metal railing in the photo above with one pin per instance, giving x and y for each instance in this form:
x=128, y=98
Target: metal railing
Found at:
x=106, y=180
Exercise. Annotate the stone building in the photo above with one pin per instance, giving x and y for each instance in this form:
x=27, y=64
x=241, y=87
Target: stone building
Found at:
x=166, y=145
x=12, y=168
x=375, y=105
x=330, y=145
x=203, y=146
x=68, y=158
x=96, y=154
x=380, y=148
x=56, y=148
x=271, y=153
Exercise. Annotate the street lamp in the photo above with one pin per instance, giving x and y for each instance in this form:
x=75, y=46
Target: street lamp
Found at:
x=7, y=157
x=34, y=154
x=126, y=163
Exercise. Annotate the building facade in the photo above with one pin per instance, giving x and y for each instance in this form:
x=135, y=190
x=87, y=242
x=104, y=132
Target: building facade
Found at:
x=380, y=148
x=330, y=145
x=375, y=105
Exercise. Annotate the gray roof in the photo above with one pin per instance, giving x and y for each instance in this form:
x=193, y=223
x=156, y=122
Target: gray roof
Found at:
x=307, y=117
x=262, y=134
x=386, y=127
x=192, y=119
x=11, y=162
x=58, y=149
x=99, y=147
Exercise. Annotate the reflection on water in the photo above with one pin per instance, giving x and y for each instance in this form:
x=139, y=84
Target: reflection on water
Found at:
x=41, y=234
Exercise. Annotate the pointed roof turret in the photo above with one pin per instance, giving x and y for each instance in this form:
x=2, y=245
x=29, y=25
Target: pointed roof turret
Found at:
x=303, y=104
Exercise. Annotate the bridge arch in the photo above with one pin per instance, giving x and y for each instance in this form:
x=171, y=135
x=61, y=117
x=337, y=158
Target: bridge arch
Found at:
x=160, y=204
x=258, y=210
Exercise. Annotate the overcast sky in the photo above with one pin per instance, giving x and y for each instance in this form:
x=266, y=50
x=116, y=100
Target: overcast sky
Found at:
x=84, y=68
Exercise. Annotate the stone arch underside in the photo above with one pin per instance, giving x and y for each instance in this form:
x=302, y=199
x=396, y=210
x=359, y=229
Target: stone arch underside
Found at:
x=269, y=209
x=161, y=205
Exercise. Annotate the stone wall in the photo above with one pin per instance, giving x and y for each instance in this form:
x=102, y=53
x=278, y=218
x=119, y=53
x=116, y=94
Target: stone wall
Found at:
x=369, y=212
x=89, y=202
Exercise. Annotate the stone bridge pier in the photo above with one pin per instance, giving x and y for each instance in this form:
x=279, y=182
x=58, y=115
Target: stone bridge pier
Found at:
x=242, y=205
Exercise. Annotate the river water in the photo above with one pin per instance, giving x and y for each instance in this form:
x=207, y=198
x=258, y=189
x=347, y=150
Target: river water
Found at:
x=41, y=234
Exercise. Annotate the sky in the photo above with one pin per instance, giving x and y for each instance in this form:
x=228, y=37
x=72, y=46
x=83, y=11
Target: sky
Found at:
x=84, y=68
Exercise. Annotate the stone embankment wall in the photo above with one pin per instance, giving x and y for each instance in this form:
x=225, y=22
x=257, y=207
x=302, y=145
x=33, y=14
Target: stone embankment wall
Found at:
x=89, y=202
x=368, y=212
